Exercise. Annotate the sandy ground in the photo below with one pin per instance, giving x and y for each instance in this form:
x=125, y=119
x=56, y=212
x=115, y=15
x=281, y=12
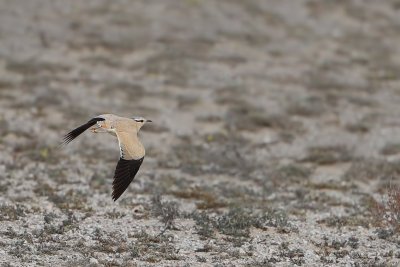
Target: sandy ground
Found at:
x=276, y=129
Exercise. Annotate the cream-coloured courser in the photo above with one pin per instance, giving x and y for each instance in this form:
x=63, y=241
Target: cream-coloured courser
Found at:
x=131, y=150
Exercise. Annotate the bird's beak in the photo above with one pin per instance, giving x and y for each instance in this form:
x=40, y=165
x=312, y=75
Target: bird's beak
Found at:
x=149, y=121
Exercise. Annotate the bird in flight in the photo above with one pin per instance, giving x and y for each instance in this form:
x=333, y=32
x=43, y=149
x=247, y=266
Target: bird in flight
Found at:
x=131, y=150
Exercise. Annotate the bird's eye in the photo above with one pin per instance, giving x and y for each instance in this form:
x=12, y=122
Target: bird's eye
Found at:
x=139, y=120
x=111, y=127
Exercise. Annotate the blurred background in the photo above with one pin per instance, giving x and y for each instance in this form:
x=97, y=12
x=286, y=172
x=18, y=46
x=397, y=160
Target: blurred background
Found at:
x=282, y=113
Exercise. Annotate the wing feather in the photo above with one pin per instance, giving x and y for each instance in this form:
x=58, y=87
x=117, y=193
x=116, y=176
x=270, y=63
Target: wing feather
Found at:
x=124, y=173
x=76, y=132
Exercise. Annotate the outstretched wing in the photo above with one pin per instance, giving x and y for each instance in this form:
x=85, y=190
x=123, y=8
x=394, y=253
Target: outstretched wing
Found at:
x=76, y=132
x=124, y=174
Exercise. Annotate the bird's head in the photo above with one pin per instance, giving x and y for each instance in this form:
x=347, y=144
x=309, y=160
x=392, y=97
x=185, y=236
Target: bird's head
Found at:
x=140, y=121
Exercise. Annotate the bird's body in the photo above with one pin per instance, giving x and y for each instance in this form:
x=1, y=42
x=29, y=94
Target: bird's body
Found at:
x=132, y=151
